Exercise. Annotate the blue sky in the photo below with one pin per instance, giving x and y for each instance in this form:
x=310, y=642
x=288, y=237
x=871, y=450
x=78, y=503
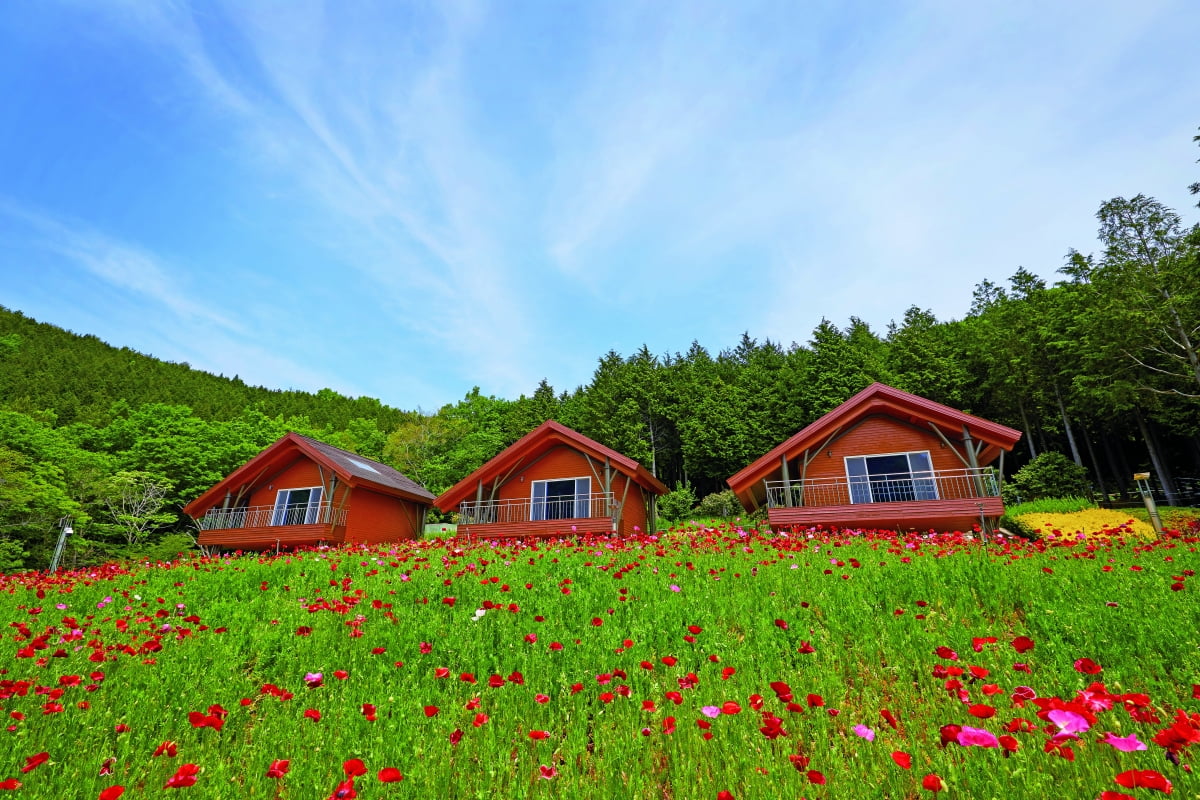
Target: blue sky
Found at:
x=406, y=200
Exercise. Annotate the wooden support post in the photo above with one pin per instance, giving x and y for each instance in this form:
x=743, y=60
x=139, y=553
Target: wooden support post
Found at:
x=787, y=481
x=972, y=461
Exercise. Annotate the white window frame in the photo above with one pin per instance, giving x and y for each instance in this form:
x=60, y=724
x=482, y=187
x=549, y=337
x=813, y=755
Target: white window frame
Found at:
x=582, y=499
x=282, y=513
x=928, y=483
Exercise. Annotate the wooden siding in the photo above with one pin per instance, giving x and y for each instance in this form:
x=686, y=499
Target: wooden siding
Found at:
x=372, y=517
x=558, y=463
x=915, y=515
x=876, y=435
x=375, y=517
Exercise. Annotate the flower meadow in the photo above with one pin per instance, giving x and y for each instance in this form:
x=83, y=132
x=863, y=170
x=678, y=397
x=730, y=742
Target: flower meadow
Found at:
x=707, y=662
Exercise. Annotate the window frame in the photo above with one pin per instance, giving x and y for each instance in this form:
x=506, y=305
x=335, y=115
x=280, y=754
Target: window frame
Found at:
x=280, y=514
x=922, y=483
x=540, y=507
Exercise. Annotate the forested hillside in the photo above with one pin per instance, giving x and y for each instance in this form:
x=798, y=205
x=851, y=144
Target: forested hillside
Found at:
x=1101, y=366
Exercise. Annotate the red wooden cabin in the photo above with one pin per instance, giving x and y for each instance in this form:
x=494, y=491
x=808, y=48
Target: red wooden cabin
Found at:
x=883, y=459
x=301, y=492
x=554, y=481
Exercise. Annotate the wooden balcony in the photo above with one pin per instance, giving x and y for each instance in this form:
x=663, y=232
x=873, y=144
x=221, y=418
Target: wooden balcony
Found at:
x=944, y=500
x=273, y=527
x=564, y=515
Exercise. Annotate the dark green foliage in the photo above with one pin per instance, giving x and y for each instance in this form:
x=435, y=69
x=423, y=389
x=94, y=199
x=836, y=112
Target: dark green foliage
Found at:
x=1049, y=475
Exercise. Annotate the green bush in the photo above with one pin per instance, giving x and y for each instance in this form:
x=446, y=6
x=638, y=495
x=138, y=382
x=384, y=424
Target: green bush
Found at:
x=1047, y=476
x=720, y=505
x=677, y=504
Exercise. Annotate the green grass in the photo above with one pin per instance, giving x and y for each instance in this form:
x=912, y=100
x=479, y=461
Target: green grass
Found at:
x=854, y=620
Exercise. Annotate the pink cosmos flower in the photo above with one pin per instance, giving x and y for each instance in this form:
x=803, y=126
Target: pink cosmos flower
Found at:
x=1068, y=721
x=712, y=712
x=864, y=732
x=977, y=737
x=1126, y=744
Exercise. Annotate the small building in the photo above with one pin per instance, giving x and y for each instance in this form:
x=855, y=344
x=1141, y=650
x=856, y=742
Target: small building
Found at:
x=883, y=459
x=301, y=492
x=554, y=481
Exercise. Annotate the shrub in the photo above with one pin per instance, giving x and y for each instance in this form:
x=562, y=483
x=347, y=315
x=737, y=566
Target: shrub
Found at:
x=721, y=505
x=677, y=504
x=1049, y=475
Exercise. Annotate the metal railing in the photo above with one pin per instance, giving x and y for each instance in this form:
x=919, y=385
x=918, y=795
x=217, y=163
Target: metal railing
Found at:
x=582, y=506
x=272, y=516
x=898, y=487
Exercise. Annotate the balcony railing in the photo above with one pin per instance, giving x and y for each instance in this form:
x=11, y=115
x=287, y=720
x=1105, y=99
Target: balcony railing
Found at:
x=581, y=506
x=951, y=484
x=272, y=516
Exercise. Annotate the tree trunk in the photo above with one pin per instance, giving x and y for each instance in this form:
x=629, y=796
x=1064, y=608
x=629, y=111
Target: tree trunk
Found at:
x=1028, y=430
x=1062, y=408
x=1155, y=458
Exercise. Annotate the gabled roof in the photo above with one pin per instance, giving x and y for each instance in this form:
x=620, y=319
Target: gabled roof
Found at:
x=545, y=436
x=352, y=469
x=881, y=399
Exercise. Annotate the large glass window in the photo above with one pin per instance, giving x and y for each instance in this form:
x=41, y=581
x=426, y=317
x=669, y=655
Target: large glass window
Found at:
x=567, y=498
x=891, y=478
x=297, y=506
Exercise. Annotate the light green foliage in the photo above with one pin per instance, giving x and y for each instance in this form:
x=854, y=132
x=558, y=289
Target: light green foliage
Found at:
x=720, y=505
x=677, y=504
x=871, y=638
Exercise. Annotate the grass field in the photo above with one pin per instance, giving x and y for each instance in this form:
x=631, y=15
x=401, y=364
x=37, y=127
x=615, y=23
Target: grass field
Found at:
x=688, y=665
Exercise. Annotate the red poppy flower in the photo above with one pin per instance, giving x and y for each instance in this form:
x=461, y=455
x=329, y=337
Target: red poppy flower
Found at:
x=547, y=773
x=1111, y=795
x=669, y=661
x=902, y=759
x=344, y=791
x=815, y=776
x=368, y=711
x=1022, y=644
x=35, y=761
x=167, y=748
x=781, y=624
x=889, y=718
x=496, y=681
x=10, y=784
x=815, y=701
x=724, y=795
x=946, y=653
x=539, y=735
x=1088, y=667
x=932, y=783
x=480, y=720
x=390, y=775
x=278, y=769
x=111, y=793
x=1145, y=779
x=431, y=711
x=805, y=647
x=981, y=711
x=184, y=776
x=341, y=674
x=730, y=707
x=354, y=767
x=441, y=672
x=668, y=725
x=313, y=714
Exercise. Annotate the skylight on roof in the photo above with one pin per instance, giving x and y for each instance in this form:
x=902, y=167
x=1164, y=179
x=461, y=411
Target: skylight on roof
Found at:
x=363, y=465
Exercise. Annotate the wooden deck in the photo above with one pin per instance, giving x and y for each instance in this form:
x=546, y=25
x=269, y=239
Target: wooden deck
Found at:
x=942, y=515
x=538, y=529
x=269, y=537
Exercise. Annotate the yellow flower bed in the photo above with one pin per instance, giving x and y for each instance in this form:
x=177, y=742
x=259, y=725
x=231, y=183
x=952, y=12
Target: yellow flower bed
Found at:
x=1092, y=522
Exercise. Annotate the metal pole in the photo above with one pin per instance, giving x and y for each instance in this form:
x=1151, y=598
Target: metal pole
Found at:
x=1143, y=483
x=64, y=531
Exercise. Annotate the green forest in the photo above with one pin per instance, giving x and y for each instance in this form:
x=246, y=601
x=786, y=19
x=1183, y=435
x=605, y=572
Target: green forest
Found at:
x=1102, y=366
